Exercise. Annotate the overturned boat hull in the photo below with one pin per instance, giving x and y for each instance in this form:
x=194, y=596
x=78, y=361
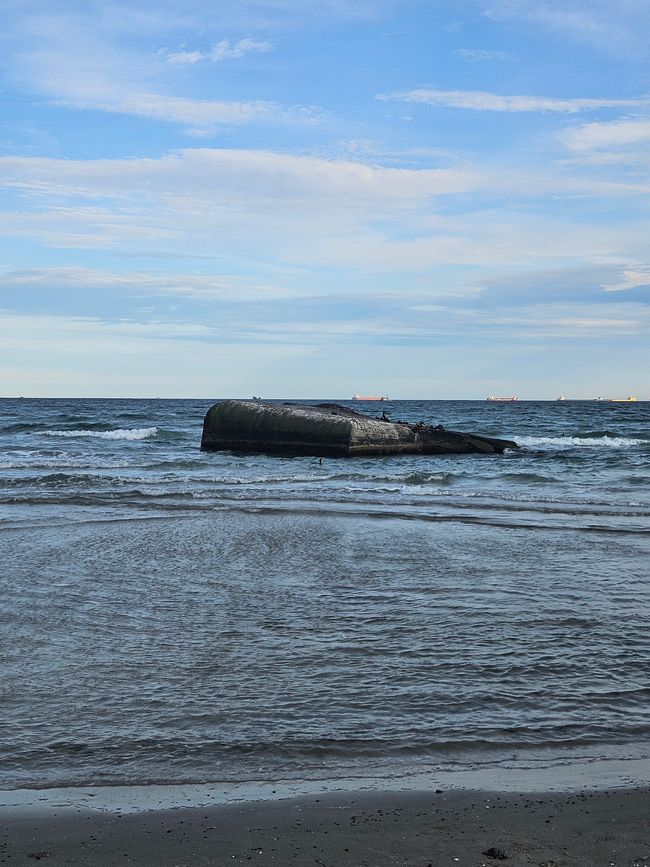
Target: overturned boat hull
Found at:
x=330, y=429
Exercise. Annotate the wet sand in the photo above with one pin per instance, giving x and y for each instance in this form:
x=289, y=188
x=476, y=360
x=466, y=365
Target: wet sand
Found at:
x=420, y=829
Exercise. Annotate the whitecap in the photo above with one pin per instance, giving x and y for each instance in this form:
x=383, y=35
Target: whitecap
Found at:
x=138, y=433
x=567, y=442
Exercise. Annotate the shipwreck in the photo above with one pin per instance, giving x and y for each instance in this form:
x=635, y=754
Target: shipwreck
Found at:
x=328, y=429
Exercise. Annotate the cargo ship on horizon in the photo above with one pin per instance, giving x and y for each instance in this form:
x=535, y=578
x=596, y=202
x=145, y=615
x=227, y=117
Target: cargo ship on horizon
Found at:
x=494, y=399
x=617, y=399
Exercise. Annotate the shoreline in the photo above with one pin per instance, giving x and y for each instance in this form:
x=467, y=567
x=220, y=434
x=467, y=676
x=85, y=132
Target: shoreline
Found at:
x=428, y=828
x=563, y=775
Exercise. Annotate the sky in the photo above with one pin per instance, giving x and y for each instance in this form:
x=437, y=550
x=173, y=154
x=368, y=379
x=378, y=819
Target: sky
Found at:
x=429, y=199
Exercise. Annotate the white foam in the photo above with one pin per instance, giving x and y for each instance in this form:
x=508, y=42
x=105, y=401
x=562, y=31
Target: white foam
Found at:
x=138, y=433
x=579, y=442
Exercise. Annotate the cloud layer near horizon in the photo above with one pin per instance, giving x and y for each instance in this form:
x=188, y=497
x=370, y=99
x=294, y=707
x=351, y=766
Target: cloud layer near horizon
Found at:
x=336, y=202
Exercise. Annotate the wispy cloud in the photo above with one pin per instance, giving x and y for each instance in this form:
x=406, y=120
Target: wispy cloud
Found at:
x=234, y=202
x=89, y=355
x=212, y=173
x=86, y=69
x=615, y=134
x=613, y=290
x=199, y=114
x=306, y=212
x=183, y=57
x=583, y=284
x=562, y=322
x=481, y=55
x=212, y=287
x=631, y=278
x=614, y=28
x=479, y=100
x=225, y=49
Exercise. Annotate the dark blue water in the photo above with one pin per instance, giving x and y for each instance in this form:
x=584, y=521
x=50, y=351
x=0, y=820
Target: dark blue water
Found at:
x=173, y=615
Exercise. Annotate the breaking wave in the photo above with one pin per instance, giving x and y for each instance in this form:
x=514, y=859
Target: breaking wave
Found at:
x=570, y=442
x=138, y=433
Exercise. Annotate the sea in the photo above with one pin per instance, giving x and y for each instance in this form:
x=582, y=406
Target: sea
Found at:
x=169, y=615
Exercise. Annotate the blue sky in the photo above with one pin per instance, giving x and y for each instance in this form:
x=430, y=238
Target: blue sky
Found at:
x=311, y=198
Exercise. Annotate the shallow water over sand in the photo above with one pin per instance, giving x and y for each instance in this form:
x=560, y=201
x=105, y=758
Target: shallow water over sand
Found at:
x=171, y=615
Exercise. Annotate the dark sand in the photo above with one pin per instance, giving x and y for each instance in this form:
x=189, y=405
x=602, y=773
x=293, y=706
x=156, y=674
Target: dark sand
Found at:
x=353, y=829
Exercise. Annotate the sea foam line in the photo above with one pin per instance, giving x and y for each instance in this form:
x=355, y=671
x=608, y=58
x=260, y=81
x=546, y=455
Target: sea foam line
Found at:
x=138, y=433
x=581, y=442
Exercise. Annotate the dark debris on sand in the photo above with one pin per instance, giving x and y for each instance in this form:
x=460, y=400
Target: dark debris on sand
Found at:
x=468, y=829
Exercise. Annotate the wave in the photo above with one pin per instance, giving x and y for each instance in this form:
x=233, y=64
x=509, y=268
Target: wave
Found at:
x=452, y=743
x=527, y=478
x=138, y=433
x=426, y=479
x=37, y=426
x=596, y=434
x=51, y=480
x=20, y=427
x=65, y=461
x=593, y=441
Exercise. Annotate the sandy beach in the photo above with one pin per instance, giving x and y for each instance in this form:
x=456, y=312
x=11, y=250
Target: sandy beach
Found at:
x=428, y=829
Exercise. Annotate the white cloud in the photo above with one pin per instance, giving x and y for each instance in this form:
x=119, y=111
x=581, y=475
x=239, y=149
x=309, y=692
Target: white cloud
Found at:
x=81, y=67
x=86, y=89
x=227, y=50
x=184, y=57
x=257, y=205
x=483, y=101
x=214, y=287
x=616, y=28
x=567, y=321
x=619, y=133
x=221, y=174
x=632, y=277
x=82, y=227
x=305, y=211
x=199, y=113
x=479, y=55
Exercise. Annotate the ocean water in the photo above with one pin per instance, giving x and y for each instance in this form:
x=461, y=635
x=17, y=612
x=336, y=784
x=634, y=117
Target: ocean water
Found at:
x=171, y=615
